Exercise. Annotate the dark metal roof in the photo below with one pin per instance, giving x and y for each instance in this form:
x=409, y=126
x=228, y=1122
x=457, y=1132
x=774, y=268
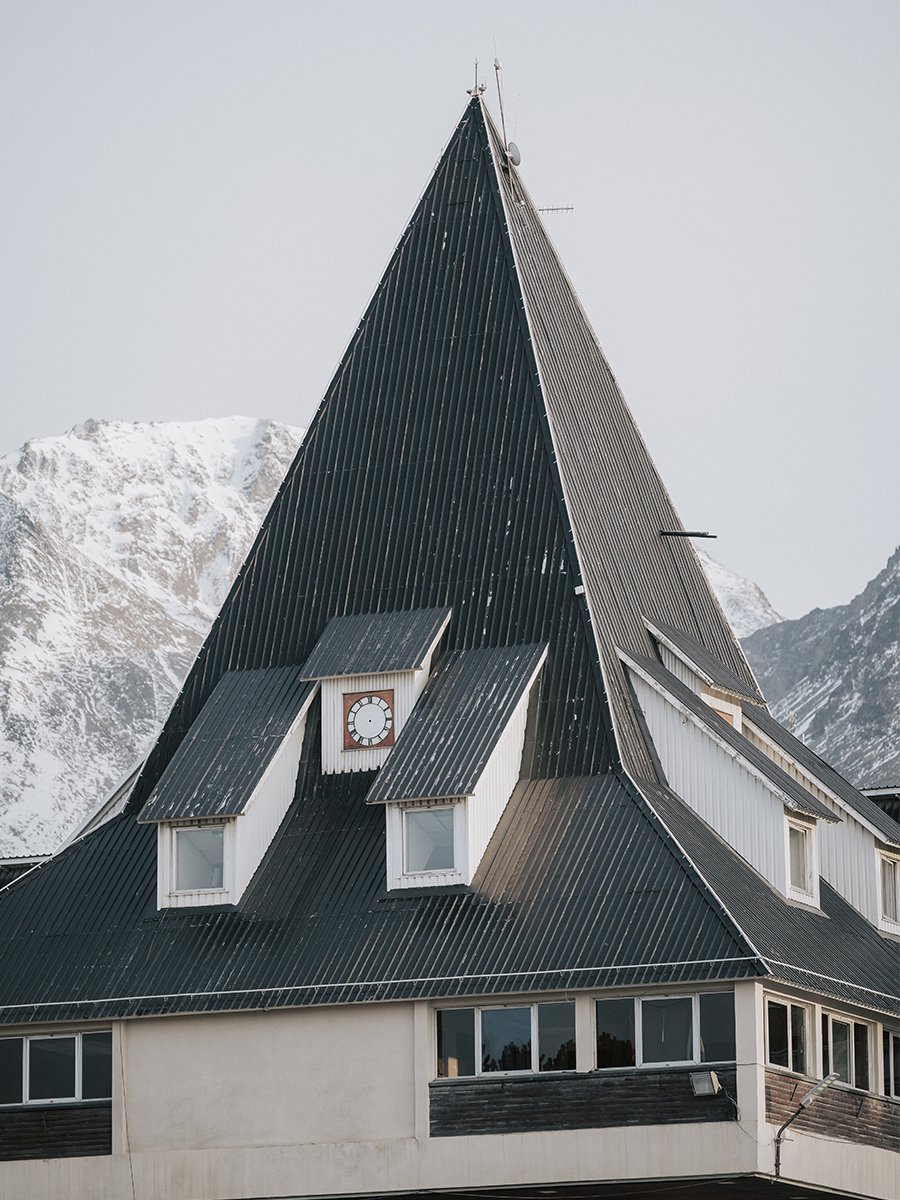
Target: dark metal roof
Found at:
x=835, y=951
x=375, y=643
x=218, y=766
x=580, y=887
x=707, y=665
x=456, y=724
x=795, y=794
x=867, y=809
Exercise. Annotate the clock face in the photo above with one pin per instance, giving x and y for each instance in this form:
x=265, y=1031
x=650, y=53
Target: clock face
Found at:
x=368, y=720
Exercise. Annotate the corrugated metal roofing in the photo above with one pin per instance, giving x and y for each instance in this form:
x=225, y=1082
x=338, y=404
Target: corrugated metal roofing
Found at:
x=794, y=792
x=835, y=950
x=218, y=766
x=375, y=643
x=580, y=887
x=706, y=663
x=887, y=827
x=457, y=723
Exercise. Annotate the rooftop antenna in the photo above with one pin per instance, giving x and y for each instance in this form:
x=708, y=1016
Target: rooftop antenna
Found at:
x=510, y=149
x=478, y=89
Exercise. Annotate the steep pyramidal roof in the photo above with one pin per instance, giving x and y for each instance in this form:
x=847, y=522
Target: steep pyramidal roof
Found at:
x=473, y=451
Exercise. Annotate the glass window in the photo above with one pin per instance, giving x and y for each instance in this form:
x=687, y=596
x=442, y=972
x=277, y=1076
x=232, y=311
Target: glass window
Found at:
x=615, y=1033
x=556, y=1037
x=667, y=1030
x=51, y=1068
x=860, y=1055
x=840, y=1050
x=798, y=842
x=786, y=1035
x=96, y=1066
x=506, y=1039
x=845, y=1049
x=427, y=840
x=456, y=1042
x=199, y=858
x=717, y=1027
x=890, y=1043
x=11, y=1057
x=890, y=889
x=798, y=1039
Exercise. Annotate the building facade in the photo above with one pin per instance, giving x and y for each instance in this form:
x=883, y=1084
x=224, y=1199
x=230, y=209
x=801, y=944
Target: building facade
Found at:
x=470, y=859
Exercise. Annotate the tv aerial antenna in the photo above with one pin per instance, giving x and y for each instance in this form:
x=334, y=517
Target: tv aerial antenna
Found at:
x=510, y=149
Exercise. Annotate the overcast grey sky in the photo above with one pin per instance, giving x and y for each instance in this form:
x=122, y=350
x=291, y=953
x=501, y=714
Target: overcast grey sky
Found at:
x=199, y=196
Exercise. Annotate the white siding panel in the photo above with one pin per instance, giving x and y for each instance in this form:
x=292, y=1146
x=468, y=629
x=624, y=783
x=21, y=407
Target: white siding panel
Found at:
x=259, y=822
x=717, y=786
x=846, y=851
x=680, y=669
x=407, y=687
x=494, y=788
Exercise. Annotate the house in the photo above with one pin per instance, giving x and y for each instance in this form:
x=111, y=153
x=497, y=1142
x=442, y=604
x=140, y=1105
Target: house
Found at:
x=469, y=860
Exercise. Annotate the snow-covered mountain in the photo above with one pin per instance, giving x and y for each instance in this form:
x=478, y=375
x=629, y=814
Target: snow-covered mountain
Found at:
x=118, y=543
x=746, y=605
x=833, y=677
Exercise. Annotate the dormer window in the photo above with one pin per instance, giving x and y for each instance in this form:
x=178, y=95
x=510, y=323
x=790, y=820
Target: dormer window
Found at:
x=372, y=668
x=802, y=867
x=456, y=764
x=889, y=891
x=221, y=799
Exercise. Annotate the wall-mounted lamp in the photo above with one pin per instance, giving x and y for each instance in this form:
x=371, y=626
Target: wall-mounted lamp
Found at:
x=813, y=1094
x=705, y=1083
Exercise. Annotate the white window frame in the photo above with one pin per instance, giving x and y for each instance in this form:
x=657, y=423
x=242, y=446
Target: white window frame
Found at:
x=397, y=877
x=638, y=1001
x=890, y=1077
x=810, y=894
x=885, y=922
x=809, y=1039
x=168, y=896
x=535, y=1068
x=848, y=1019
x=42, y=1102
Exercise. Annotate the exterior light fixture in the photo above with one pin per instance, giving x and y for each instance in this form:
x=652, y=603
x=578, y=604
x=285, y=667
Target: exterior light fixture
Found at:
x=813, y=1094
x=705, y=1083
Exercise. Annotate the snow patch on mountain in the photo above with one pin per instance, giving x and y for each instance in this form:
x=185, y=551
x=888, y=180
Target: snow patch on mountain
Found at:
x=746, y=605
x=118, y=544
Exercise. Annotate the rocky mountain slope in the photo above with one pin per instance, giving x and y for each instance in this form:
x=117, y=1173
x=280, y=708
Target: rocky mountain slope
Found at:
x=745, y=603
x=833, y=677
x=118, y=543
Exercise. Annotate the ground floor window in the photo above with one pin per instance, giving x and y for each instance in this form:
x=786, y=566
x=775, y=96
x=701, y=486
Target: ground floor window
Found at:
x=786, y=1035
x=845, y=1049
x=508, y=1038
x=56, y=1068
x=665, y=1030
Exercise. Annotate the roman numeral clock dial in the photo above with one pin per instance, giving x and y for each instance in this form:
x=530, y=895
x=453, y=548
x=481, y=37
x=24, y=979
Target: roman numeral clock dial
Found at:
x=368, y=720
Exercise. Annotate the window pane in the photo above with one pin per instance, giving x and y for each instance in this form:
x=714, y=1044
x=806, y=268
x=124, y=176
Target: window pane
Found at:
x=840, y=1049
x=889, y=888
x=456, y=1042
x=826, y=1052
x=778, y=1034
x=615, y=1033
x=556, y=1037
x=96, y=1066
x=429, y=840
x=11, y=1070
x=51, y=1068
x=895, y=1042
x=798, y=1039
x=200, y=858
x=798, y=847
x=886, y=1051
x=506, y=1039
x=668, y=1031
x=717, y=1027
x=861, y=1056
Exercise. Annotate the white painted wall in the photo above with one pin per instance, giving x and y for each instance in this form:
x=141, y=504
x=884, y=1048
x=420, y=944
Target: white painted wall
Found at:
x=717, y=785
x=407, y=687
x=494, y=788
x=679, y=668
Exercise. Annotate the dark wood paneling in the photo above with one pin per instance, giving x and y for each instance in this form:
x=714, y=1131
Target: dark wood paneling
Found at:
x=595, y=1101
x=839, y=1112
x=63, y=1131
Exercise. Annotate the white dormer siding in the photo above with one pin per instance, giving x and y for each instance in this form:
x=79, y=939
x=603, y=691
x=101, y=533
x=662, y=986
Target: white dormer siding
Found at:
x=246, y=835
x=406, y=686
x=726, y=791
x=848, y=853
x=680, y=669
x=475, y=816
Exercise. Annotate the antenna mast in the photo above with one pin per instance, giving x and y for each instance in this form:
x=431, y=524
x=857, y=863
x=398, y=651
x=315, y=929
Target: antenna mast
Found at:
x=498, y=67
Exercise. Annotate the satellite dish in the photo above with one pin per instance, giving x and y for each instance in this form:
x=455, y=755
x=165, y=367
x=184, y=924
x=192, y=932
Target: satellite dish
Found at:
x=513, y=154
